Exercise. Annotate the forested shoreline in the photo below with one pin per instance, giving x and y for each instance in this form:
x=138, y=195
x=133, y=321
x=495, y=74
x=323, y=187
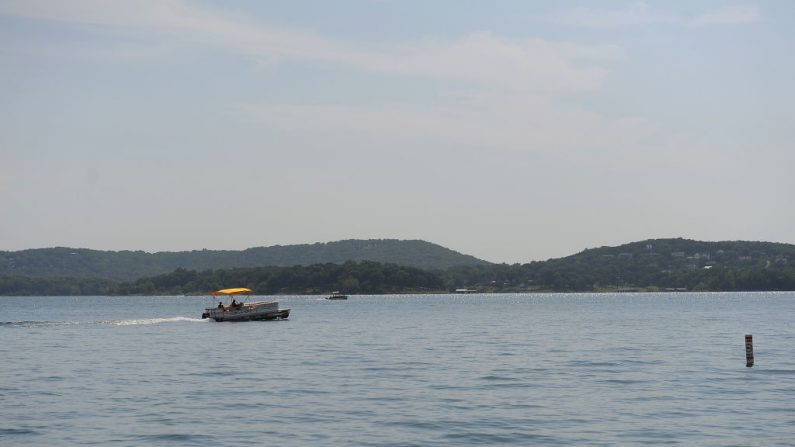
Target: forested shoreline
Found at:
x=374, y=278
x=653, y=265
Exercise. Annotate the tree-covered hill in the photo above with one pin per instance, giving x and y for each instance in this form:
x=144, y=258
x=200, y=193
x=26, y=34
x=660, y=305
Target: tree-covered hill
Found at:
x=645, y=265
x=659, y=264
x=351, y=277
x=128, y=265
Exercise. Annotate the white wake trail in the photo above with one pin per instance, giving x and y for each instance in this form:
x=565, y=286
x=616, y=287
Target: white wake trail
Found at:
x=154, y=321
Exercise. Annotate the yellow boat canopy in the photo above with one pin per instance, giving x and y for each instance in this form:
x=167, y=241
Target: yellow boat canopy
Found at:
x=231, y=291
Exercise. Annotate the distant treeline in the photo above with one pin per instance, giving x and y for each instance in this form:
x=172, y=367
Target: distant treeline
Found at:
x=531, y=278
x=658, y=264
x=352, y=277
x=374, y=278
x=663, y=264
x=17, y=285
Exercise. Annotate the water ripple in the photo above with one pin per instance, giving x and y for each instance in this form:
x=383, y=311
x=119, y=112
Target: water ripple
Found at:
x=13, y=432
x=406, y=371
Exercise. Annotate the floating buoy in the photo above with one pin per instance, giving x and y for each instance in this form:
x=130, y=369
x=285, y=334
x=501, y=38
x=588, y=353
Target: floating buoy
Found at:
x=749, y=350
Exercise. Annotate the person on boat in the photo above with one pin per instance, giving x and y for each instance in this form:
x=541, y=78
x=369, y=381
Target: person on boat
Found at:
x=234, y=303
x=220, y=305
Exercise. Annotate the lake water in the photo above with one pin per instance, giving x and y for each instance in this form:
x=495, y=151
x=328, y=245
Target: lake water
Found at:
x=418, y=370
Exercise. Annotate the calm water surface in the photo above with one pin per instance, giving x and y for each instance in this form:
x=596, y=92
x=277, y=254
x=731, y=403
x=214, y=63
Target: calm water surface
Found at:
x=421, y=370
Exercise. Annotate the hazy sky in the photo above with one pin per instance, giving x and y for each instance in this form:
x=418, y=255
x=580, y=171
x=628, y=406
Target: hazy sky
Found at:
x=509, y=130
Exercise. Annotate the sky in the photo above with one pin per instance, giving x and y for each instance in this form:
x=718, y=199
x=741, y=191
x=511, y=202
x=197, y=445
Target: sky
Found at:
x=509, y=130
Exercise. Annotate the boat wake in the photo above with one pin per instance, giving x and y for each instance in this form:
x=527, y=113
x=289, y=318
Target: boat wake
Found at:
x=36, y=323
x=153, y=321
x=133, y=322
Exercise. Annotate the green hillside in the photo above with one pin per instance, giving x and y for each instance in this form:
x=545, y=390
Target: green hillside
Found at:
x=129, y=265
x=655, y=264
x=652, y=265
x=351, y=277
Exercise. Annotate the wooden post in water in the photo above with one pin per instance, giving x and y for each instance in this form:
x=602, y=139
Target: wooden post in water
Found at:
x=749, y=350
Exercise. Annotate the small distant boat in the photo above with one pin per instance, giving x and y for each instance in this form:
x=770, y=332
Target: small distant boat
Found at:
x=465, y=291
x=337, y=296
x=240, y=311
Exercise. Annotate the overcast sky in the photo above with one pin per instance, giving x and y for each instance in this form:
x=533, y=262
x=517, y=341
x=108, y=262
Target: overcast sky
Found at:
x=509, y=130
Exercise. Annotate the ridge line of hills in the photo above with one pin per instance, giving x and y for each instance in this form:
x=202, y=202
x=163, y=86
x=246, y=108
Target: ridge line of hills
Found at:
x=394, y=266
x=129, y=265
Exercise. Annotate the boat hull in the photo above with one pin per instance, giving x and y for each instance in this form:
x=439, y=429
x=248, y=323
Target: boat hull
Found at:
x=248, y=312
